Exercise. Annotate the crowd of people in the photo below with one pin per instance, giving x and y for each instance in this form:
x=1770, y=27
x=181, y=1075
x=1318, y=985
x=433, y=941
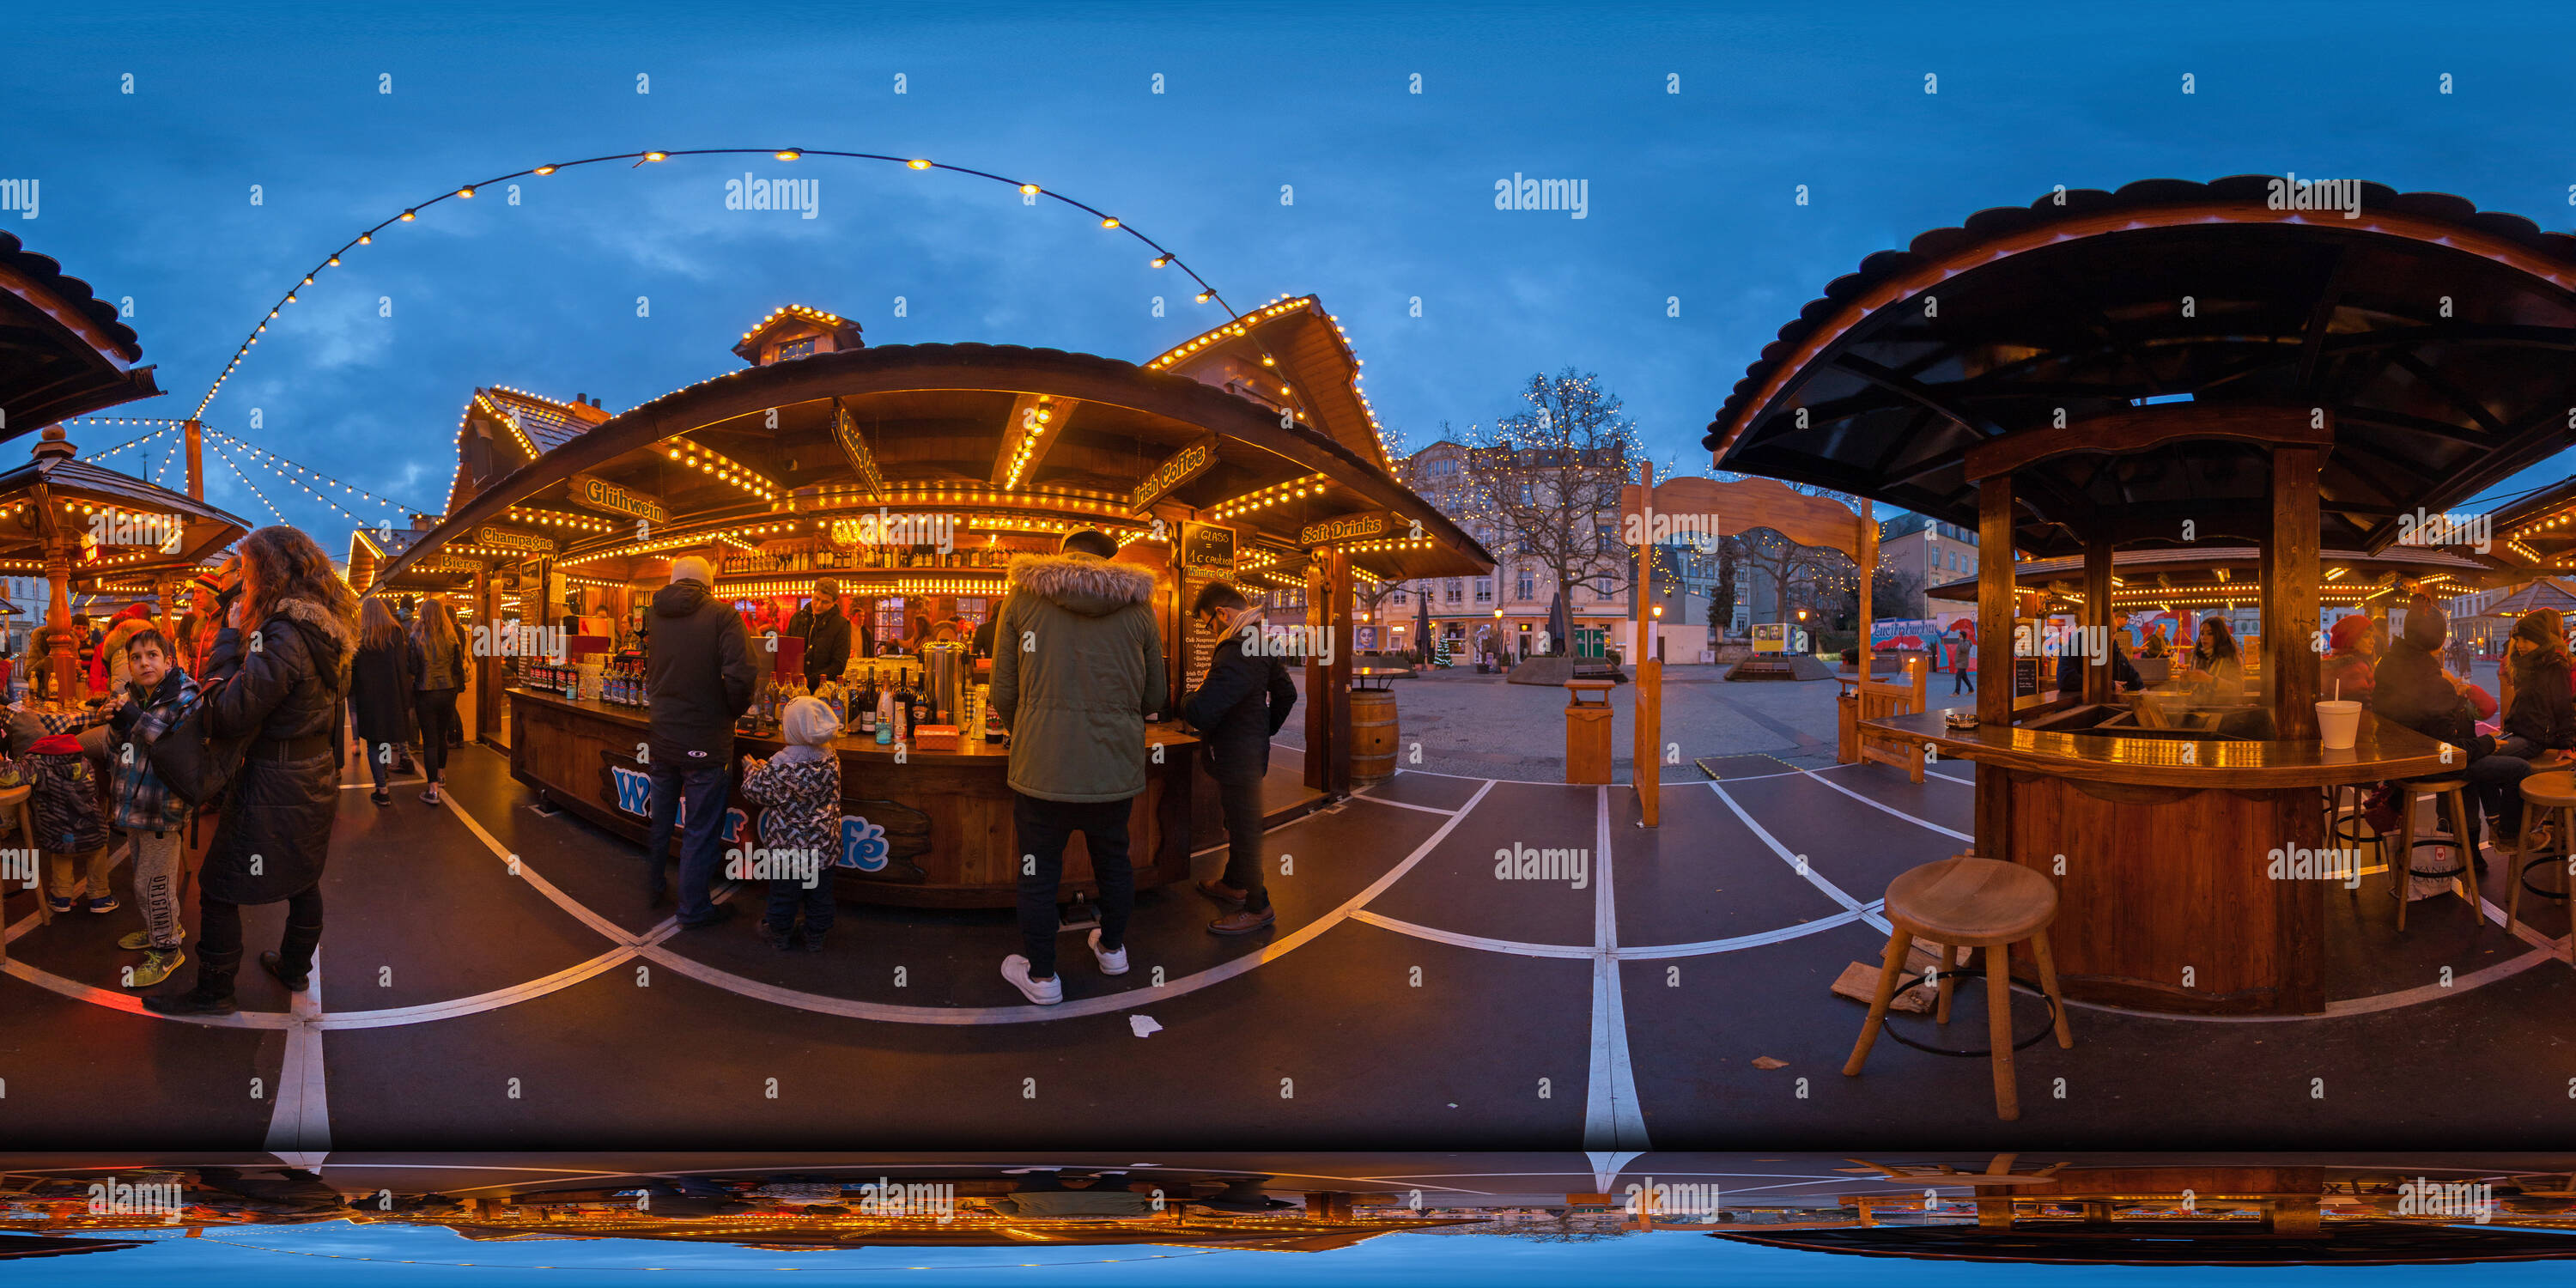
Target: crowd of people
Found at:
x=1077, y=679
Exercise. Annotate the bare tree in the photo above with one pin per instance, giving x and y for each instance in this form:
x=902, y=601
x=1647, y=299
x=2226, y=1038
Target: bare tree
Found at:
x=1545, y=481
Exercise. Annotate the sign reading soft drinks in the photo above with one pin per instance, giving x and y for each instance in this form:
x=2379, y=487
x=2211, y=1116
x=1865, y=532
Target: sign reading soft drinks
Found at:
x=1178, y=468
x=1367, y=525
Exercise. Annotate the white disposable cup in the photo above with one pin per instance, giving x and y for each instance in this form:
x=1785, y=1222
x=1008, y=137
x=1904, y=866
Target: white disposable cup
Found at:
x=2339, y=722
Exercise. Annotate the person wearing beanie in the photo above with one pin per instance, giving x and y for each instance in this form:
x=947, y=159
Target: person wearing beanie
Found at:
x=799, y=794
x=698, y=672
x=2410, y=688
x=2539, y=713
x=2352, y=654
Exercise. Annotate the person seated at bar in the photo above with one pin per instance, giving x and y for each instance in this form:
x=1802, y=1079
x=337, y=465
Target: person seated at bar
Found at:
x=2539, y=716
x=2154, y=644
x=2070, y=670
x=2352, y=658
x=2212, y=669
x=2411, y=689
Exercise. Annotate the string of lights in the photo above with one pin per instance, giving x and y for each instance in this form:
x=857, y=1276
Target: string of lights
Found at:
x=104, y=453
x=272, y=462
x=1163, y=257
x=276, y=460
x=730, y=1270
x=254, y=487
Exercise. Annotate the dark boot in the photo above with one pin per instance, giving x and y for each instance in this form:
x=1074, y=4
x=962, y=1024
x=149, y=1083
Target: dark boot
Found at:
x=292, y=963
x=213, y=994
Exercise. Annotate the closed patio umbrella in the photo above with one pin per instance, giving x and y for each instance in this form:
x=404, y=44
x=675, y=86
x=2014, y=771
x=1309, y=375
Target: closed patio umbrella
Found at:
x=1560, y=629
x=1422, y=637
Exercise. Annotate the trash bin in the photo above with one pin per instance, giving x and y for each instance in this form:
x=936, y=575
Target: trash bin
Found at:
x=1587, y=731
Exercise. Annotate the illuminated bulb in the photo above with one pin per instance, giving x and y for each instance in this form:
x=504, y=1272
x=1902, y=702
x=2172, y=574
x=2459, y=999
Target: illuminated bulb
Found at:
x=789, y=154
x=918, y=164
x=1108, y=223
x=467, y=193
x=407, y=216
x=656, y=156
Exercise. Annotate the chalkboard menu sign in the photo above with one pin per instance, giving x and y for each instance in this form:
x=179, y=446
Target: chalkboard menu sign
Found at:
x=1207, y=555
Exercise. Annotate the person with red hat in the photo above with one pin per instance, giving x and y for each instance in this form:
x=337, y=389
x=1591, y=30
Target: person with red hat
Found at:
x=2353, y=652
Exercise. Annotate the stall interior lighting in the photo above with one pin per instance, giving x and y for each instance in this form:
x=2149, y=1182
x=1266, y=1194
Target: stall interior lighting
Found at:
x=707, y=460
x=903, y=586
x=1032, y=427
x=559, y=519
x=1311, y=485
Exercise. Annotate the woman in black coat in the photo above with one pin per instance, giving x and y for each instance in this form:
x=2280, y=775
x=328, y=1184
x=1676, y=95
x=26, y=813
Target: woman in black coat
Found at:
x=380, y=693
x=275, y=677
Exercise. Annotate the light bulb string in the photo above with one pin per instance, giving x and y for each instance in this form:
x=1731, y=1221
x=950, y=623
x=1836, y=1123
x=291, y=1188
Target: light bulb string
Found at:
x=269, y=456
x=254, y=487
x=465, y=191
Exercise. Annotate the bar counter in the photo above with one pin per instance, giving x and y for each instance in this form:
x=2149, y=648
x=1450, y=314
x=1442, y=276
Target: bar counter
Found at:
x=2162, y=850
x=933, y=831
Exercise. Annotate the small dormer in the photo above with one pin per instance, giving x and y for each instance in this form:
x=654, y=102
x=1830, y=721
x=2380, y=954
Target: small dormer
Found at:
x=796, y=331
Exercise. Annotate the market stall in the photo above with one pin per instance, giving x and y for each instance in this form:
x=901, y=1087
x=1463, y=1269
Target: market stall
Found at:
x=910, y=476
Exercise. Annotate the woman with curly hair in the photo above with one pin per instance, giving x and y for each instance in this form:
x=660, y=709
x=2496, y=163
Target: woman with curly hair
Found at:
x=275, y=676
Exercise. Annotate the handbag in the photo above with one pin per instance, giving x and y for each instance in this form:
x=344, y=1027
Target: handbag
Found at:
x=195, y=767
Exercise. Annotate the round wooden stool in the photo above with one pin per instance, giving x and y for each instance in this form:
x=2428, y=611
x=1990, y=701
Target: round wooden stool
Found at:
x=2544, y=795
x=2453, y=794
x=1971, y=903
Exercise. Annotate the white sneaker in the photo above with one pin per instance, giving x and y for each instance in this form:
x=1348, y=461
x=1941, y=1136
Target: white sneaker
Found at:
x=1110, y=963
x=1015, y=968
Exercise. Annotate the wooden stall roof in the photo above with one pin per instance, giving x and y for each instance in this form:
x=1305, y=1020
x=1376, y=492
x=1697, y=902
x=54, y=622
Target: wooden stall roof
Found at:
x=63, y=352
x=2070, y=315
x=502, y=428
x=371, y=549
x=2537, y=532
x=2192, y=571
x=751, y=449
x=2547, y=592
x=1311, y=369
x=63, y=479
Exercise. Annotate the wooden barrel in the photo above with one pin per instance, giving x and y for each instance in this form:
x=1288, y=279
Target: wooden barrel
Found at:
x=1372, y=735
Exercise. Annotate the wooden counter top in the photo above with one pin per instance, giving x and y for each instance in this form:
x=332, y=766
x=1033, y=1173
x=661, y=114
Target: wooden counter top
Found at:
x=972, y=749
x=2382, y=751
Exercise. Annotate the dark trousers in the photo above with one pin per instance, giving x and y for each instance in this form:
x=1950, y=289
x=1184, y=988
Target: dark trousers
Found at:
x=705, y=789
x=1963, y=679
x=1241, y=802
x=2495, y=784
x=437, y=709
x=785, y=895
x=1043, y=827
x=219, y=928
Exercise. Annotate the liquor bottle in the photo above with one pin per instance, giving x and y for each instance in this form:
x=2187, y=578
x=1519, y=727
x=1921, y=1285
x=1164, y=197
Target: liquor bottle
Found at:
x=921, y=703
x=885, y=714
x=902, y=708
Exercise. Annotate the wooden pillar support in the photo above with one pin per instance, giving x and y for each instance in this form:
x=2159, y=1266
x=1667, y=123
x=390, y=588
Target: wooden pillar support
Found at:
x=1328, y=685
x=2097, y=612
x=2290, y=593
x=1867, y=544
x=1646, y=759
x=195, y=436
x=1994, y=653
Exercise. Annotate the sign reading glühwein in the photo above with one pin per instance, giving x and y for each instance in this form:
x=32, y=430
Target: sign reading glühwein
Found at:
x=596, y=493
x=1178, y=468
x=1367, y=525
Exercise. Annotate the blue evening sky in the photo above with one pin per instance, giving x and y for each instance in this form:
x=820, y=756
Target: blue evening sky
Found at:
x=1691, y=195
x=278, y=1254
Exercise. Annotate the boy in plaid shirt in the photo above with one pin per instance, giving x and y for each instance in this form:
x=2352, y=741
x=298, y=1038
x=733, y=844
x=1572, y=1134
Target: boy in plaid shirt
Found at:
x=140, y=804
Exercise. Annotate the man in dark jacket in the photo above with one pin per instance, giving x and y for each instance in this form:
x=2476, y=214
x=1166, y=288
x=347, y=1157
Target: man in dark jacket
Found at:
x=826, y=634
x=698, y=669
x=1244, y=700
x=2409, y=688
x=1079, y=668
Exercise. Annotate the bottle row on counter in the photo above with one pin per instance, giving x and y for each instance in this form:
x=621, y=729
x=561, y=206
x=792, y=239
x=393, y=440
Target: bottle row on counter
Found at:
x=877, y=701
x=886, y=558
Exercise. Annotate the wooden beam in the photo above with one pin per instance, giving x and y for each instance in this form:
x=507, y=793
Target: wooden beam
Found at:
x=2290, y=593
x=1866, y=543
x=2097, y=612
x=1328, y=686
x=1995, y=589
x=2139, y=429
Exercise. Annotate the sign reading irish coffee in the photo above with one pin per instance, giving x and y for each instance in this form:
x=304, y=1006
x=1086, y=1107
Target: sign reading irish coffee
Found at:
x=863, y=462
x=1367, y=525
x=505, y=539
x=594, y=492
x=1178, y=468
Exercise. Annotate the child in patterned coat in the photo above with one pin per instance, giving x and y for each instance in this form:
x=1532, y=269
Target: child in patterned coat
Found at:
x=799, y=792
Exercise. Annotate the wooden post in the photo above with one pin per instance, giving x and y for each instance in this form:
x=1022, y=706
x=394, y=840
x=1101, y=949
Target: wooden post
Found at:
x=1867, y=545
x=487, y=676
x=2097, y=612
x=1643, y=592
x=195, y=437
x=1994, y=653
x=1648, y=758
x=1328, y=687
x=2290, y=594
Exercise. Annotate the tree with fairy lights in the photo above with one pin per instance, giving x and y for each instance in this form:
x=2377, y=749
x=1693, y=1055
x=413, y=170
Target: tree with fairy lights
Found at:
x=1545, y=483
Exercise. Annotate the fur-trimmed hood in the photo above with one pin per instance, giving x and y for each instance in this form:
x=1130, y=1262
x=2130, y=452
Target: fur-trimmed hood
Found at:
x=331, y=639
x=1080, y=583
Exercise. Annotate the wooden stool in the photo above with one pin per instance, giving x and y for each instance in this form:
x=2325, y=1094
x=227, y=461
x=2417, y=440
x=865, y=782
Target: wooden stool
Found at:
x=15, y=798
x=2454, y=794
x=1970, y=902
x=2542, y=796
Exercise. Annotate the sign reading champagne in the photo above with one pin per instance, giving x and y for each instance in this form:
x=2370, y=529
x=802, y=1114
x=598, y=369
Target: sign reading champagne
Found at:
x=596, y=493
x=1367, y=525
x=1179, y=468
x=863, y=461
x=505, y=539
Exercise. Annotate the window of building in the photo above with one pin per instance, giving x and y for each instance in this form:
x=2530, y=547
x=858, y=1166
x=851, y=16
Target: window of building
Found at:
x=1453, y=591
x=1524, y=584
x=1400, y=598
x=1484, y=590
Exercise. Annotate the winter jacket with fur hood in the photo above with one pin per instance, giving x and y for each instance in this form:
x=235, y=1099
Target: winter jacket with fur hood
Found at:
x=282, y=683
x=1077, y=666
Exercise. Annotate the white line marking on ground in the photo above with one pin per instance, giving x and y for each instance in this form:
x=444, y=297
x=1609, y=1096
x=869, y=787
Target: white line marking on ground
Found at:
x=1807, y=870
x=1890, y=809
x=651, y=949
x=1649, y=952
x=494, y=1000
x=1611, y=1117
x=1514, y=947
x=300, y=1120
x=1380, y=800
x=1963, y=782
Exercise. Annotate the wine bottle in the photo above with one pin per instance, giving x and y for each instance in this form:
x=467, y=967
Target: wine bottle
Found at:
x=868, y=706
